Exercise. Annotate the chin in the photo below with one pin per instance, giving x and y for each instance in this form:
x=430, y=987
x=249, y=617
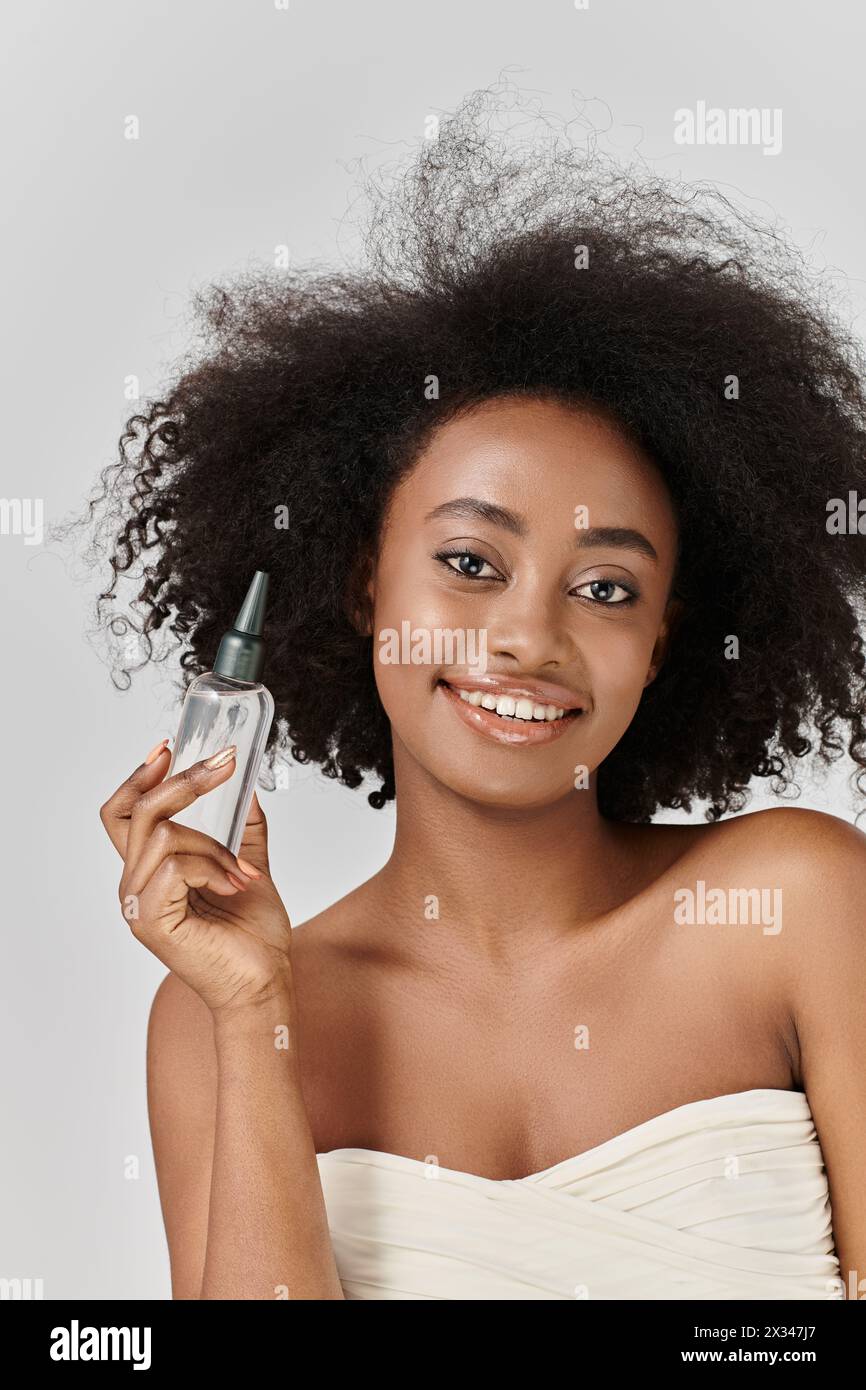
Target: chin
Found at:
x=508, y=792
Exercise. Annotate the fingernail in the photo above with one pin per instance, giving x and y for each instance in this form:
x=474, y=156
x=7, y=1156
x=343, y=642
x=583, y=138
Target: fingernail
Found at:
x=249, y=869
x=220, y=759
x=236, y=881
x=155, y=752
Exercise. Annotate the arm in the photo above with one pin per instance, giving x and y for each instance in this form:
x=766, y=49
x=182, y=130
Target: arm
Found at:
x=827, y=951
x=236, y=1164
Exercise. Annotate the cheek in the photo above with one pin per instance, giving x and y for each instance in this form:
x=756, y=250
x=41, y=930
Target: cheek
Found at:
x=410, y=593
x=409, y=599
x=617, y=663
x=404, y=606
x=402, y=688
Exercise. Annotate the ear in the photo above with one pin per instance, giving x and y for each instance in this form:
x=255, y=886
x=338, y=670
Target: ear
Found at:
x=673, y=616
x=360, y=596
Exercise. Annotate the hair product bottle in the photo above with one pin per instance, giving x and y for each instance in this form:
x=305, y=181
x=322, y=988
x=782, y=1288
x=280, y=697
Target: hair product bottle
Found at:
x=228, y=705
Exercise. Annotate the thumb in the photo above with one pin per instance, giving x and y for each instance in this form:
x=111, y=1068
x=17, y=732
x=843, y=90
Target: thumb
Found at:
x=254, y=845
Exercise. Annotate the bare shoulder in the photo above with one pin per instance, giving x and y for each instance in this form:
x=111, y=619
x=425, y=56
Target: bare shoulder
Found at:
x=816, y=864
x=790, y=882
x=800, y=825
x=815, y=861
x=813, y=851
x=819, y=861
x=778, y=837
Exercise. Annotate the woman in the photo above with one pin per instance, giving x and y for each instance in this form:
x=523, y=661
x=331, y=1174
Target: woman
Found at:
x=594, y=429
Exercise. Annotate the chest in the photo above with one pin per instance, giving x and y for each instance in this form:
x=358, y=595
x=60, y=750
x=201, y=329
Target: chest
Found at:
x=510, y=1077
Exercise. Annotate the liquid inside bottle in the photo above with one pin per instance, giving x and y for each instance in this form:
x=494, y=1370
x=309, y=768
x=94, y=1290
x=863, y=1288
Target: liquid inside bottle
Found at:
x=217, y=711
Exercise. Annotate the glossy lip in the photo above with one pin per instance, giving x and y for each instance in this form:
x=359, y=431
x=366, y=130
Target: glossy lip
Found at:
x=540, y=692
x=517, y=732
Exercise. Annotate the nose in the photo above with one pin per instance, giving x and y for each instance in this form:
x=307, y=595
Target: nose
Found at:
x=529, y=626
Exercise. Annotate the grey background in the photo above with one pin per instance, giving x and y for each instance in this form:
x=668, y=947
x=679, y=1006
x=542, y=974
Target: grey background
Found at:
x=251, y=118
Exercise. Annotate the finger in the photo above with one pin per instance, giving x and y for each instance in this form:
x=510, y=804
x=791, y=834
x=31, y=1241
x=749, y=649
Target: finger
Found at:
x=254, y=844
x=164, y=902
x=170, y=838
x=165, y=800
x=116, y=812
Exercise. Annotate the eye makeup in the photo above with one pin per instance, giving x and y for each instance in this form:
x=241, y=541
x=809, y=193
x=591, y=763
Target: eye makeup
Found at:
x=473, y=572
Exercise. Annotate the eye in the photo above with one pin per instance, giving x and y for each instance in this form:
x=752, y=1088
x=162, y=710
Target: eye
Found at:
x=468, y=563
x=607, y=588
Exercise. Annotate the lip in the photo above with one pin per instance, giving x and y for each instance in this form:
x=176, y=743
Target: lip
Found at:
x=516, y=733
x=540, y=692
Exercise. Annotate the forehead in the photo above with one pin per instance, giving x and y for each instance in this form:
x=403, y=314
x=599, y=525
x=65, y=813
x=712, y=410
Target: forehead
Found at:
x=542, y=459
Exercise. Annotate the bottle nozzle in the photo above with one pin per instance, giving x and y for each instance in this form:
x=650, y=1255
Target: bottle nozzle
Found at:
x=241, y=652
x=251, y=617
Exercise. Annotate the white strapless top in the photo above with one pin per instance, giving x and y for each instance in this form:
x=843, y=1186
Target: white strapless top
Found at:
x=723, y=1198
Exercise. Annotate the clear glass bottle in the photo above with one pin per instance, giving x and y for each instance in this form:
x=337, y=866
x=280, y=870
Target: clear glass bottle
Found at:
x=228, y=705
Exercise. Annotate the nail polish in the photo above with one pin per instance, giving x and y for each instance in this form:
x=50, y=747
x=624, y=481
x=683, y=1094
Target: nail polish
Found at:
x=155, y=752
x=247, y=867
x=220, y=759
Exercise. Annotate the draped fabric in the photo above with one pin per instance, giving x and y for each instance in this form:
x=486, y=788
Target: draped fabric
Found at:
x=723, y=1198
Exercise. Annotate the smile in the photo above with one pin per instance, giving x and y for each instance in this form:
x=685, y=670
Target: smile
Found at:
x=514, y=719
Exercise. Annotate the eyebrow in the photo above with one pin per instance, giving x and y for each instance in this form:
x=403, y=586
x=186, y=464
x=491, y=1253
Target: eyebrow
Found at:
x=475, y=509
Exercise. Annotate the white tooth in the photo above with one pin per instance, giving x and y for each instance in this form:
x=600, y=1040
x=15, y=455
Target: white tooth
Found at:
x=539, y=711
x=488, y=702
x=464, y=694
x=523, y=709
x=560, y=713
x=475, y=697
x=551, y=713
x=505, y=705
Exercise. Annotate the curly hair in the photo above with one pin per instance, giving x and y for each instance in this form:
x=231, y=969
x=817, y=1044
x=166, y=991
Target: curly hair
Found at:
x=697, y=326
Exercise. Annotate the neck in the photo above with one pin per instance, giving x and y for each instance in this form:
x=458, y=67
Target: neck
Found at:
x=502, y=881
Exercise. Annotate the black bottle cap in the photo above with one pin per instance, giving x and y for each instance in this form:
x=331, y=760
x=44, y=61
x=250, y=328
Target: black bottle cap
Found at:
x=241, y=654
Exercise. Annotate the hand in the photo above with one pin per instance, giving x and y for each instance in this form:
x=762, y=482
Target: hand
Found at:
x=214, y=918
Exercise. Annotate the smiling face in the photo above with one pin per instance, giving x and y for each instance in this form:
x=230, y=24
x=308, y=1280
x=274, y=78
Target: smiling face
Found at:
x=543, y=538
